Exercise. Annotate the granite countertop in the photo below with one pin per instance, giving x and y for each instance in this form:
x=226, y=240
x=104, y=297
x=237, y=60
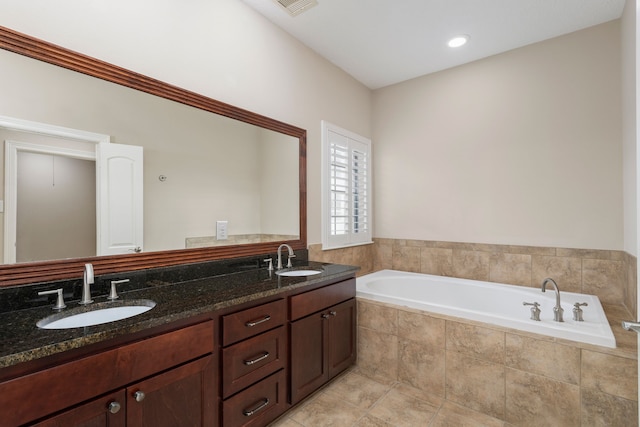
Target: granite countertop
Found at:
x=23, y=341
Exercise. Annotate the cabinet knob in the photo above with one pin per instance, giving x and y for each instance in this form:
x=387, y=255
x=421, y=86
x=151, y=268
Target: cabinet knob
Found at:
x=325, y=316
x=114, y=407
x=333, y=313
x=139, y=396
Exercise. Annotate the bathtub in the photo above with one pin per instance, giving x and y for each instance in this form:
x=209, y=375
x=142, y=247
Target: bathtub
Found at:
x=492, y=303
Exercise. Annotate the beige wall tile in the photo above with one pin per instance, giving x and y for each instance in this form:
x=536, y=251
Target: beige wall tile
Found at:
x=583, y=253
x=383, y=254
x=476, y=384
x=631, y=283
x=377, y=317
x=533, y=400
x=421, y=366
x=471, y=264
x=363, y=258
x=315, y=252
x=336, y=256
x=557, y=361
x=377, y=354
x=513, y=269
x=406, y=258
x=608, y=274
x=611, y=374
x=603, y=278
x=483, y=343
x=566, y=271
x=436, y=261
x=603, y=410
x=527, y=250
x=421, y=327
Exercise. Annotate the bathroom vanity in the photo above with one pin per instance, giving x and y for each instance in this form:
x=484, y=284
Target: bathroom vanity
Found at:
x=231, y=350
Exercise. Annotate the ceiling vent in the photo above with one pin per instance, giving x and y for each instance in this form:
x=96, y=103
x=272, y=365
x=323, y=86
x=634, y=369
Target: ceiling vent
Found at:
x=296, y=7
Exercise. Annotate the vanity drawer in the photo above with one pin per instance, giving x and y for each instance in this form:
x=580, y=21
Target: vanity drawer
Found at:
x=257, y=405
x=252, y=321
x=251, y=360
x=310, y=302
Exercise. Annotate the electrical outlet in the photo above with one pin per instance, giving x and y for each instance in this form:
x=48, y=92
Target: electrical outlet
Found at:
x=221, y=230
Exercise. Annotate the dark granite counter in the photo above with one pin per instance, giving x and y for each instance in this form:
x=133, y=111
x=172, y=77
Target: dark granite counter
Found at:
x=21, y=340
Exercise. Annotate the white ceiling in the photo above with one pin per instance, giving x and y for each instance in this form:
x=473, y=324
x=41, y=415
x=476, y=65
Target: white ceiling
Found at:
x=382, y=42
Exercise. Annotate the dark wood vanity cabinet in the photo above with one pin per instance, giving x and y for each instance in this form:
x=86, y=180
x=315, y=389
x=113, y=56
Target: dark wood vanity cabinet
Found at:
x=253, y=369
x=229, y=368
x=323, y=336
x=164, y=380
x=179, y=397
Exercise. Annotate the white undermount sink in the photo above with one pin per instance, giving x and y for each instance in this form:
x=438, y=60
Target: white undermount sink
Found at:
x=297, y=273
x=95, y=315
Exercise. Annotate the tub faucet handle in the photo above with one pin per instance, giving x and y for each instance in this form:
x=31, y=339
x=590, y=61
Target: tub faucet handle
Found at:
x=535, y=310
x=577, y=311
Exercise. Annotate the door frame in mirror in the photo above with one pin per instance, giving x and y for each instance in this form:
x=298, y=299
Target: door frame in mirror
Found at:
x=18, y=274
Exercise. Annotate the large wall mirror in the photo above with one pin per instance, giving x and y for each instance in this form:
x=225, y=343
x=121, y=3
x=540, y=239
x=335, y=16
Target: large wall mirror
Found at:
x=204, y=162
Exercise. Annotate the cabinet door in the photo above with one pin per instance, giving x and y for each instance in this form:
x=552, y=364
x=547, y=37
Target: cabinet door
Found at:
x=342, y=337
x=309, y=365
x=183, y=396
x=107, y=411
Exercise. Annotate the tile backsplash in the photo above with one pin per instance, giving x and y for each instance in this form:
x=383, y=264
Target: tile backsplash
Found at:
x=611, y=275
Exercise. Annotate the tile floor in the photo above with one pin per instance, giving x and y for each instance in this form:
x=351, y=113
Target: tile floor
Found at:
x=353, y=400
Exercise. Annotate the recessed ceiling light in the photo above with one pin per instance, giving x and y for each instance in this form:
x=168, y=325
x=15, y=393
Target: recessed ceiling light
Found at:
x=458, y=41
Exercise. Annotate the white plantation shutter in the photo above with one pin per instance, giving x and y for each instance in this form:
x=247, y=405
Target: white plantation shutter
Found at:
x=346, y=188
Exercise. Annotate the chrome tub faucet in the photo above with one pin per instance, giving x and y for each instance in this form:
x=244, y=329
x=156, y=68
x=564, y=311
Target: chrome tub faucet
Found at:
x=557, y=310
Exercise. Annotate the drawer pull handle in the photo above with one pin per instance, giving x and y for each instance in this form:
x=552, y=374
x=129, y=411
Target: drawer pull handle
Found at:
x=257, y=359
x=253, y=323
x=114, y=407
x=262, y=405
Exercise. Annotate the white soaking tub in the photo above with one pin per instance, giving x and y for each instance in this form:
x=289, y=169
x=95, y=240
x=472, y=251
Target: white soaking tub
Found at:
x=492, y=303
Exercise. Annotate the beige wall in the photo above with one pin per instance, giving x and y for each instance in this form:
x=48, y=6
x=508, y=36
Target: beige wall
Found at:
x=243, y=60
x=629, y=125
x=519, y=148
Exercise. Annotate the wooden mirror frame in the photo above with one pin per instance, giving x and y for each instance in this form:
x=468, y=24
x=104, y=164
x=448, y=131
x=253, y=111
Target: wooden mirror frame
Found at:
x=18, y=274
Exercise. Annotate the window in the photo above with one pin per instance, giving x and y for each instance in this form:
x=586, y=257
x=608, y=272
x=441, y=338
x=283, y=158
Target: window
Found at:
x=346, y=192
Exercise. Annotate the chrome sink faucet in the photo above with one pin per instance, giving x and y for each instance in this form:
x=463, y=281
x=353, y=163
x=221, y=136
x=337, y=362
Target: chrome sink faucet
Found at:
x=557, y=310
x=291, y=255
x=87, y=281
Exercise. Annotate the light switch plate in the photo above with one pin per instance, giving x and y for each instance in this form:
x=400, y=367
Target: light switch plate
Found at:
x=221, y=230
